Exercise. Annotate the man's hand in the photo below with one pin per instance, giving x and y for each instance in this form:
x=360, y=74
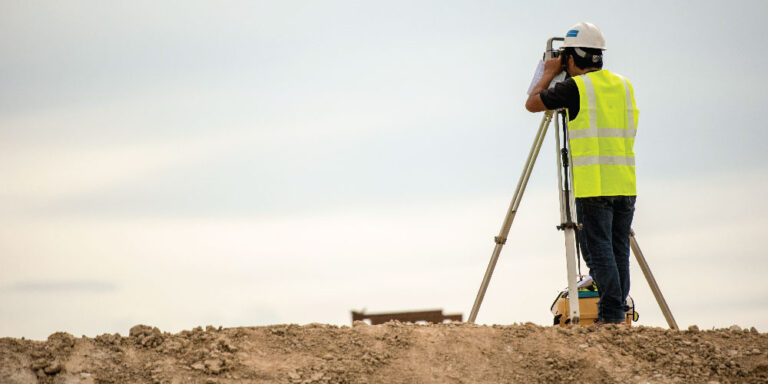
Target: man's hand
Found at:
x=552, y=68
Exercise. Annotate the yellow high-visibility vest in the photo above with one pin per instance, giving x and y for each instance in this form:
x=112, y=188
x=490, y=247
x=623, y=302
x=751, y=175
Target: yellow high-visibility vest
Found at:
x=602, y=136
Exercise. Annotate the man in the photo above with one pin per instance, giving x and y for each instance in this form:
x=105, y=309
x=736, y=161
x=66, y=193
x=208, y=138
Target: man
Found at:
x=601, y=130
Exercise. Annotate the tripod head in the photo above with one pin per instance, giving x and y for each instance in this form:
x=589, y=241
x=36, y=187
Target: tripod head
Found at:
x=551, y=52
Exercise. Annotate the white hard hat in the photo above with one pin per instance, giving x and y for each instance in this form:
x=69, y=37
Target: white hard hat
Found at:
x=584, y=35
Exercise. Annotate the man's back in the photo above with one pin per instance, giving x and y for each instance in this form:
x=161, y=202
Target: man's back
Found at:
x=602, y=136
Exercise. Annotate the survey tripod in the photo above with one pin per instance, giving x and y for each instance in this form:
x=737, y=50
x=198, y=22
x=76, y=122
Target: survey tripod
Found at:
x=568, y=220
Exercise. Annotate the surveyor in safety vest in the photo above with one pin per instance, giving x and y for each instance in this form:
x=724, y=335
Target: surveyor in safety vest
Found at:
x=601, y=131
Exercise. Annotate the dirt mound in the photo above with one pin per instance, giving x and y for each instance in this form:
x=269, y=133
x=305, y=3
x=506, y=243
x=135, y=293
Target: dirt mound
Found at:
x=392, y=353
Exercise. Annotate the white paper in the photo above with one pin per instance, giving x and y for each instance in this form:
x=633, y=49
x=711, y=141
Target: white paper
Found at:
x=536, y=76
x=539, y=73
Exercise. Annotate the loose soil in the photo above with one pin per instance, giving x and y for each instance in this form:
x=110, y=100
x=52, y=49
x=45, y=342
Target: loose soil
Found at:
x=392, y=353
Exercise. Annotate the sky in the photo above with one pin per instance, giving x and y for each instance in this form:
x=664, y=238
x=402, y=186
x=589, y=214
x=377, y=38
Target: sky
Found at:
x=185, y=163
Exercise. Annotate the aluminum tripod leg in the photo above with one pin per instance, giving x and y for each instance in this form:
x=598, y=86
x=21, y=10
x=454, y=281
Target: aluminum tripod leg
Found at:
x=568, y=220
x=570, y=261
x=504, y=232
x=651, y=280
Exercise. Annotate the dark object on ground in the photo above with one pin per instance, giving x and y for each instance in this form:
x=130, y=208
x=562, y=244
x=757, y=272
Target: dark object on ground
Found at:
x=432, y=316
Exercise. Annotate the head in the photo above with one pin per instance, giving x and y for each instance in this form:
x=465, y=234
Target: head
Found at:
x=578, y=60
x=583, y=48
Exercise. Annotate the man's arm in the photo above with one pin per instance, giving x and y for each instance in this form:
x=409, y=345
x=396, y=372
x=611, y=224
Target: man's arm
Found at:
x=552, y=68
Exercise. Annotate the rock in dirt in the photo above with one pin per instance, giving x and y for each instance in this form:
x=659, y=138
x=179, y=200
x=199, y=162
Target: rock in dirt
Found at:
x=214, y=366
x=52, y=368
x=146, y=336
x=143, y=331
x=61, y=340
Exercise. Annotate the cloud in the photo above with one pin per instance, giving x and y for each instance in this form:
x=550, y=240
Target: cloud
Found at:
x=63, y=286
x=40, y=175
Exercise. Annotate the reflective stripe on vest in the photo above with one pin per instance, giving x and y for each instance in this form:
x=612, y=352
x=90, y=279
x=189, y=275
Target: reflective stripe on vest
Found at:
x=602, y=136
x=602, y=132
x=603, y=160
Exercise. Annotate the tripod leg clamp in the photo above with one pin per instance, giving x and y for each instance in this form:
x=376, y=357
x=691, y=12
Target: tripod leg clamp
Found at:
x=569, y=225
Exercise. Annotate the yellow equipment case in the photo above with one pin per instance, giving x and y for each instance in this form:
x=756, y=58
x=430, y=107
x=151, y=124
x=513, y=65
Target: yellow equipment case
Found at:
x=588, y=298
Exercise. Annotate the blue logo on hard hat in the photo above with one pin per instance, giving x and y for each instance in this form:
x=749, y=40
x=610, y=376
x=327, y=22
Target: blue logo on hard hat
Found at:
x=572, y=33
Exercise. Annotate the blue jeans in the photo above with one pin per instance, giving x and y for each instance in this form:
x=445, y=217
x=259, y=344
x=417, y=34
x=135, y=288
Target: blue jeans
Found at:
x=604, y=243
